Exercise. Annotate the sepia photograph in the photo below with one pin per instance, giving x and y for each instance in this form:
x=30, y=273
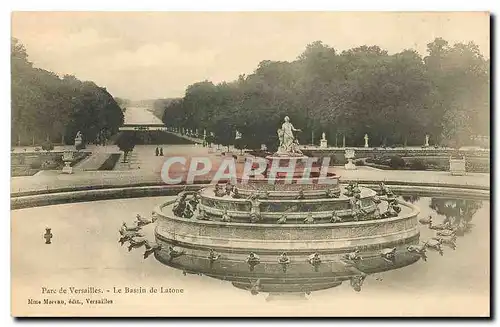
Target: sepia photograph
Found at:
x=250, y=164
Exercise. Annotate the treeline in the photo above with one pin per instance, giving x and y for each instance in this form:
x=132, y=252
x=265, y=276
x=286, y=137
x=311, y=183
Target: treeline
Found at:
x=160, y=105
x=47, y=108
x=395, y=99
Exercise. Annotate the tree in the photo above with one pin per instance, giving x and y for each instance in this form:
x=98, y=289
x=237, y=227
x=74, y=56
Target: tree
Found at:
x=126, y=143
x=45, y=106
x=394, y=98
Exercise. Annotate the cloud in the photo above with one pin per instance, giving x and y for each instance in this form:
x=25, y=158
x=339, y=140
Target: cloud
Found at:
x=158, y=54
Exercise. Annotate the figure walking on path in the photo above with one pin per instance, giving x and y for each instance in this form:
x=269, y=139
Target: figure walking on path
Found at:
x=157, y=152
x=161, y=152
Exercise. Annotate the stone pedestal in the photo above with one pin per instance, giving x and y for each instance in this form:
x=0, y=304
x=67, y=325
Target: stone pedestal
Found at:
x=457, y=166
x=323, y=144
x=68, y=158
x=67, y=169
x=350, y=165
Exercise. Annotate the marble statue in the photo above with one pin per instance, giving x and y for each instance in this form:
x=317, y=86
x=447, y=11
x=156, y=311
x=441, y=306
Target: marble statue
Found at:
x=426, y=140
x=323, y=142
x=286, y=137
x=366, y=140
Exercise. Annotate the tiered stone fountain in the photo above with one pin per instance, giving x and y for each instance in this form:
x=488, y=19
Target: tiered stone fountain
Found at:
x=285, y=236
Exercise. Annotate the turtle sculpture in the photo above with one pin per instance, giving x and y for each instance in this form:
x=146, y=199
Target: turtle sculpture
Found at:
x=352, y=257
x=418, y=249
x=434, y=245
x=174, y=253
x=388, y=254
x=213, y=256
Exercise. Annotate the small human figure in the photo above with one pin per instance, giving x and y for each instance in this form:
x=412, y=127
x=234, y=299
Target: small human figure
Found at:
x=252, y=260
x=161, y=152
x=283, y=258
x=300, y=196
x=284, y=261
x=157, y=151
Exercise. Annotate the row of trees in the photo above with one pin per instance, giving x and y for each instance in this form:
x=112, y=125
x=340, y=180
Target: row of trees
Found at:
x=47, y=108
x=395, y=99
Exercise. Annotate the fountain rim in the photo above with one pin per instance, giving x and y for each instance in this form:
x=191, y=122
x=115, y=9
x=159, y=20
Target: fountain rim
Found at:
x=65, y=195
x=415, y=212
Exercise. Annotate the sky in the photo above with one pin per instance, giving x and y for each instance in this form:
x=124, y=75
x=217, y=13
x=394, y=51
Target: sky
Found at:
x=148, y=55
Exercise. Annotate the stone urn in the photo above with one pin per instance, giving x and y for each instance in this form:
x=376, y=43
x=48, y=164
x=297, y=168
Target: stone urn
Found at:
x=349, y=155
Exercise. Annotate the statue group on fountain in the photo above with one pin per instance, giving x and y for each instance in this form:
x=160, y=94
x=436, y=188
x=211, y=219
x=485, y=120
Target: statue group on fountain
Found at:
x=288, y=143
